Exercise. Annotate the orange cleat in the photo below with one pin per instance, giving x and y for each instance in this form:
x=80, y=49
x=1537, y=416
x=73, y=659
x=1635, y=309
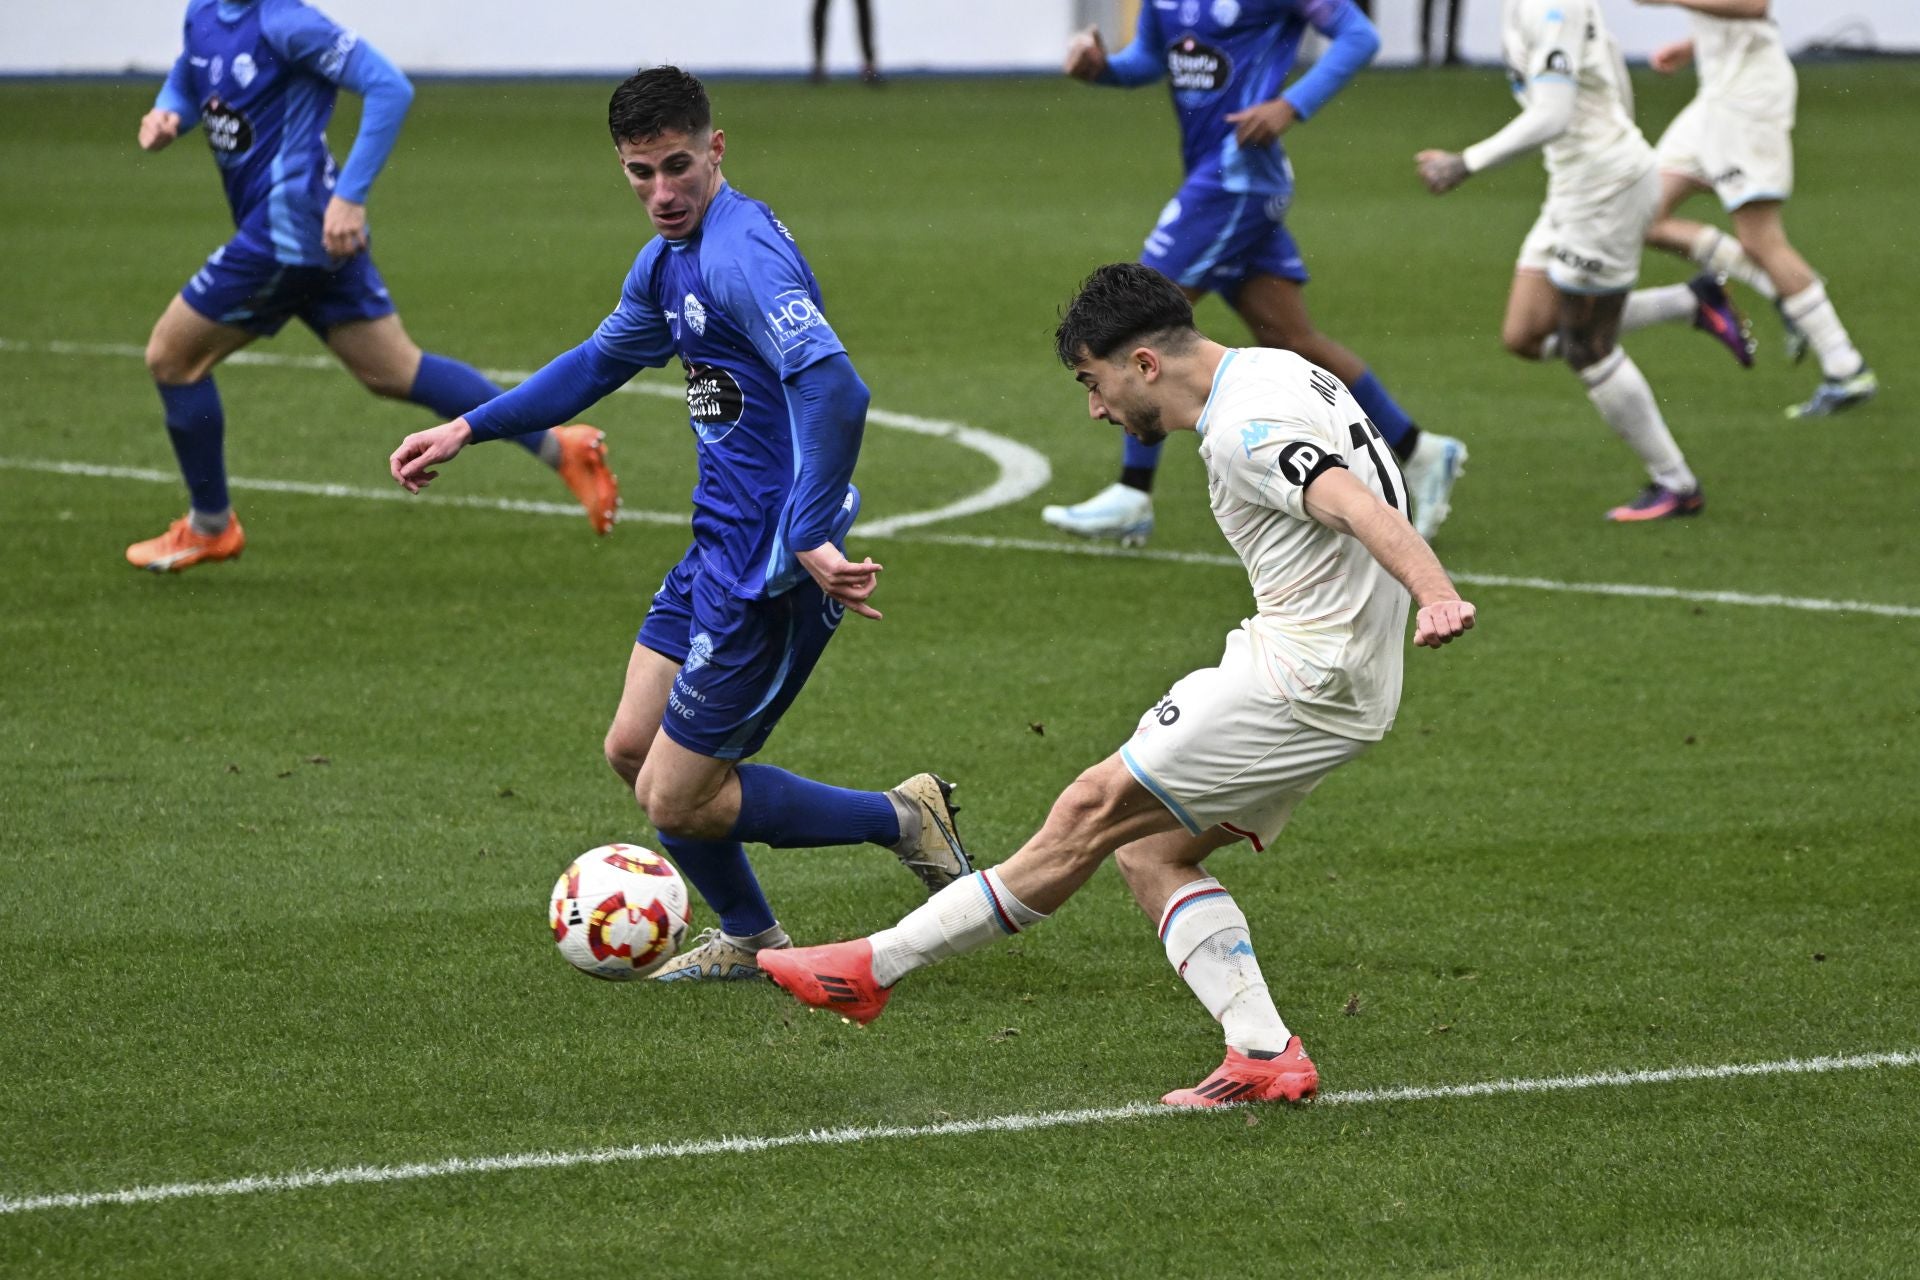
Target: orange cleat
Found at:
x=583, y=465
x=1290, y=1077
x=181, y=548
x=838, y=976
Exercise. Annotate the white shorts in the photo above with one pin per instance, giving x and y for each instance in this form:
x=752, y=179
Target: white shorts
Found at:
x=1593, y=246
x=1222, y=750
x=1743, y=158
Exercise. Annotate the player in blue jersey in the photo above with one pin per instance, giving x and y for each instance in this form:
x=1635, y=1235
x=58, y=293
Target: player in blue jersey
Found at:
x=260, y=77
x=1225, y=230
x=777, y=413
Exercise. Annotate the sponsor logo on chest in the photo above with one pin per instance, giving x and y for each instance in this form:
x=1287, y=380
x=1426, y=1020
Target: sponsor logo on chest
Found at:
x=1194, y=67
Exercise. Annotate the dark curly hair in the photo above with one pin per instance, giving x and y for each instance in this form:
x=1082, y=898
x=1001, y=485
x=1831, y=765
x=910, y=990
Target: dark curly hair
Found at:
x=1123, y=303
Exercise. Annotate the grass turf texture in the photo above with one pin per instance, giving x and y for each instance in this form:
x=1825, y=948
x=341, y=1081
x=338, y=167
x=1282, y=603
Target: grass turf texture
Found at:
x=278, y=834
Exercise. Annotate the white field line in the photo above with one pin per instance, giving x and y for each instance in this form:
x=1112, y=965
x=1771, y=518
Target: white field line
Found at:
x=1020, y=470
x=364, y=1174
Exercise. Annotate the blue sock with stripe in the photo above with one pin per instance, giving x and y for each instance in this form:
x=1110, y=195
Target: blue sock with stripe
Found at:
x=787, y=811
x=451, y=388
x=1387, y=414
x=197, y=426
x=968, y=914
x=720, y=871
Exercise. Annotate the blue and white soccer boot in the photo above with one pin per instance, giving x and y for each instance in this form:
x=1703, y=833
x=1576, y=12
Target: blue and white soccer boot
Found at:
x=1118, y=512
x=1430, y=473
x=1835, y=394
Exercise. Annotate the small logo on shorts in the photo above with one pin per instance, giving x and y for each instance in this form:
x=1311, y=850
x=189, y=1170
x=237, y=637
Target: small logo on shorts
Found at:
x=1170, y=214
x=699, y=653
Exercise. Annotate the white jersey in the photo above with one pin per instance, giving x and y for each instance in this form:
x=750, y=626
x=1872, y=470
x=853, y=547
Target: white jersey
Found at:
x=1330, y=631
x=1602, y=150
x=1743, y=64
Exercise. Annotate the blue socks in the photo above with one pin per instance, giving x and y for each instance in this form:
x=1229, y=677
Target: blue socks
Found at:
x=720, y=871
x=451, y=388
x=1387, y=415
x=790, y=812
x=1143, y=456
x=198, y=429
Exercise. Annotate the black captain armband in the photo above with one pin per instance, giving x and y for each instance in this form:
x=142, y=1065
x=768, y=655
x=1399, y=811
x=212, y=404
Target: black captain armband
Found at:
x=1302, y=463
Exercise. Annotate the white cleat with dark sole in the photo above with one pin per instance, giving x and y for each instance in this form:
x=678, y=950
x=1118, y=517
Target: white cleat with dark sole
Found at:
x=1431, y=473
x=1119, y=513
x=714, y=957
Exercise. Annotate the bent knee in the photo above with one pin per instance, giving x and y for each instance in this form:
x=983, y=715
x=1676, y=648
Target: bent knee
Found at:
x=1583, y=351
x=1522, y=343
x=173, y=368
x=625, y=756
x=388, y=384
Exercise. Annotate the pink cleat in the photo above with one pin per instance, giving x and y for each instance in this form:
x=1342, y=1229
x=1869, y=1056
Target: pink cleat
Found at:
x=1284, y=1077
x=837, y=977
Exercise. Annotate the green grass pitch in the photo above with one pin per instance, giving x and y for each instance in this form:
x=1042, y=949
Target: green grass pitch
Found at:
x=275, y=837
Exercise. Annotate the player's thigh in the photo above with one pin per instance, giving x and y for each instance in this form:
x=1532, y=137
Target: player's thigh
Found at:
x=1533, y=312
x=643, y=701
x=378, y=352
x=185, y=346
x=1103, y=809
x=687, y=792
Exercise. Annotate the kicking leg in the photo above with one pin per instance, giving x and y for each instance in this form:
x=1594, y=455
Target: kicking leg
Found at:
x=181, y=354
x=1275, y=309
x=1105, y=808
x=388, y=363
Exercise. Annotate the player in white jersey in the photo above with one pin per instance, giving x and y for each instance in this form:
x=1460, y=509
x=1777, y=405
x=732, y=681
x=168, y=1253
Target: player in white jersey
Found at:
x=1583, y=254
x=1309, y=496
x=1736, y=139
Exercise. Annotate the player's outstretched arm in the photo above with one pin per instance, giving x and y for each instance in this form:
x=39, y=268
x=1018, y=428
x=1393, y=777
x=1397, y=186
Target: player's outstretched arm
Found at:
x=1338, y=500
x=413, y=462
x=1142, y=62
x=173, y=110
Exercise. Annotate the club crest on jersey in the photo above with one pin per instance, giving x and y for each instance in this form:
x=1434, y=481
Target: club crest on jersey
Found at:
x=1194, y=67
x=695, y=313
x=217, y=71
x=1189, y=12
x=244, y=70
x=1225, y=12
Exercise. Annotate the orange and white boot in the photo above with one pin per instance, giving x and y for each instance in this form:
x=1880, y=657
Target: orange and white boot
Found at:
x=583, y=465
x=182, y=548
x=1288, y=1076
x=837, y=977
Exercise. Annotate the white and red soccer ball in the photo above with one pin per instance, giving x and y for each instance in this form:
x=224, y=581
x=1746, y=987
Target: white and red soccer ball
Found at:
x=619, y=912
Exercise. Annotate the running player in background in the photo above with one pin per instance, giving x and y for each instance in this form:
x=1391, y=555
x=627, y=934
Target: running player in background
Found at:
x=1583, y=254
x=1312, y=502
x=777, y=413
x=261, y=76
x=1736, y=139
x=1225, y=230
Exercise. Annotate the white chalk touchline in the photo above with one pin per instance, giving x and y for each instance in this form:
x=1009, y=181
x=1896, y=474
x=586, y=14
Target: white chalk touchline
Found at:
x=892, y=528
x=361, y=1174
x=1021, y=470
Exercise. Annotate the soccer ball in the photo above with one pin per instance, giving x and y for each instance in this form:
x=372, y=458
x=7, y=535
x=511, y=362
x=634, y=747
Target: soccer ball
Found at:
x=619, y=912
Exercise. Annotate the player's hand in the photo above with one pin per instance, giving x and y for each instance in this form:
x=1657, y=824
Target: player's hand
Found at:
x=1086, y=55
x=1259, y=125
x=423, y=449
x=1440, y=622
x=158, y=129
x=343, y=232
x=1442, y=171
x=839, y=577
x=1671, y=57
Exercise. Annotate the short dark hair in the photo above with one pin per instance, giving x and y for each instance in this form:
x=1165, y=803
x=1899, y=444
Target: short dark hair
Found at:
x=654, y=101
x=1120, y=304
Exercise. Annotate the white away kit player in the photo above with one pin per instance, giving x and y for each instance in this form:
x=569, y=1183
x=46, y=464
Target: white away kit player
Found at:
x=1309, y=496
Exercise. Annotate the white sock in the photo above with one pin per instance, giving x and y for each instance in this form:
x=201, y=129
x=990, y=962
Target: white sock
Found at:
x=1620, y=392
x=775, y=937
x=1664, y=305
x=968, y=914
x=1207, y=942
x=550, y=450
x=1716, y=251
x=208, y=523
x=1814, y=316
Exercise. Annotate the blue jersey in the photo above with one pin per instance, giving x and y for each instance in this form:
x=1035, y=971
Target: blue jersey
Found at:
x=737, y=303
x=1223, y=56
x=261, y=76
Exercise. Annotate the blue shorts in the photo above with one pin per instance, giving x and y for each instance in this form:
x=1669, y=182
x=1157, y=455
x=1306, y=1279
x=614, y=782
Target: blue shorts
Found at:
x=1216, y=241
x=742, y=662
x=244, y=285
